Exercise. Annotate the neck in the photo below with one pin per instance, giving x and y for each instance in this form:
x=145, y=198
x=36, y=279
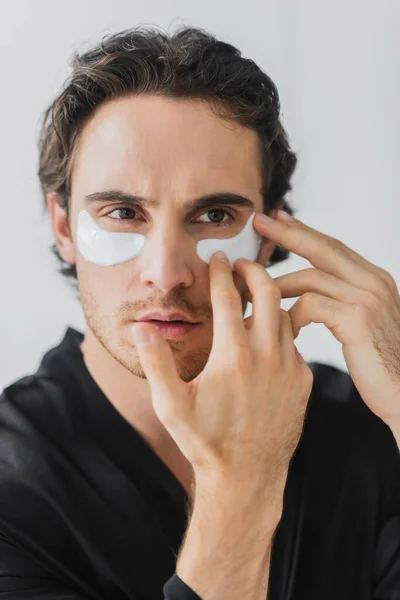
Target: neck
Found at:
x=130, y=395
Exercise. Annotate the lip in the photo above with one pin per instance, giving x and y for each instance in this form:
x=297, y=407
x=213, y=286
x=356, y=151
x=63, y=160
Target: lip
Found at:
x=174, y=330
x=166, y=317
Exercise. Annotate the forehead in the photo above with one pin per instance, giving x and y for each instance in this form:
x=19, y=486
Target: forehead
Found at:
x=151, y=144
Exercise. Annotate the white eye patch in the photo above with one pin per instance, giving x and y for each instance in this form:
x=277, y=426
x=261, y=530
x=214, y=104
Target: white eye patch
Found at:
x=246, y=244
x=105, y=248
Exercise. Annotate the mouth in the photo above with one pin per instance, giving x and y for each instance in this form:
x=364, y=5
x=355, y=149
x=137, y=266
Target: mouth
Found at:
x=172, y=329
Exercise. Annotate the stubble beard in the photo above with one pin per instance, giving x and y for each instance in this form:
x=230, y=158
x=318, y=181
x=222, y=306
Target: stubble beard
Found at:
x=189, y=362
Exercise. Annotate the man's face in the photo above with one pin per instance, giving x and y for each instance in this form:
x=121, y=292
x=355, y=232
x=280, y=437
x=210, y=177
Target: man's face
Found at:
x=169, y=152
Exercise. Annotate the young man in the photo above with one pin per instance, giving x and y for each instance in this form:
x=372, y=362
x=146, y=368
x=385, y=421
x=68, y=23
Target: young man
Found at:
x=204, y=458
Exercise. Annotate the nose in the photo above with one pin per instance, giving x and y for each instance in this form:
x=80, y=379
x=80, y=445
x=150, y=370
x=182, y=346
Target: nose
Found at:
x=165, y=260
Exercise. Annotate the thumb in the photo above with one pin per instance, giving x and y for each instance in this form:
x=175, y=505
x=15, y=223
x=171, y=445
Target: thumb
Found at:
x=159, y=367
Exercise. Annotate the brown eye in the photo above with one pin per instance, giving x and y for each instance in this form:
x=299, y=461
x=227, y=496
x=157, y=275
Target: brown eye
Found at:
x=125, y=213
x=215, y=216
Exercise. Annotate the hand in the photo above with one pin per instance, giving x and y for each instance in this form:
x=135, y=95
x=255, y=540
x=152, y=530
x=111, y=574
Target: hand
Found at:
x=241, y=418
x=356, y=300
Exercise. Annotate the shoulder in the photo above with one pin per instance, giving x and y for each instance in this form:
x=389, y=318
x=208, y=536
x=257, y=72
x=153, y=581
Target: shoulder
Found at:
x=40, y=439
x=39, y=460
x=335, y=387
x=35, y=421
x=37, y=407
x=339, y=427
x=42, y=487
x=334, y=394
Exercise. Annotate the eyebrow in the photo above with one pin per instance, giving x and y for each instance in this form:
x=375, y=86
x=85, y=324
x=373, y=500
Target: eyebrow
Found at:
x=221, y=198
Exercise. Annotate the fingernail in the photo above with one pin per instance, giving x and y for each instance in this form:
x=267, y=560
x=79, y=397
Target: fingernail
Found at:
x=143, y=336
x=221, y=256
x=282, y=214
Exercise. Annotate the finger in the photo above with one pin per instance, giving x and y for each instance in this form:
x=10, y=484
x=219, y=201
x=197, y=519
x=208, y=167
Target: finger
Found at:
x=323, y=251
x=248, y=322
x=229, y=330
x=288, y=346
x=340, y=318
x=286, y=336
x=159, y=366
x=293, y=285
x=299, y=357
x=266, y=297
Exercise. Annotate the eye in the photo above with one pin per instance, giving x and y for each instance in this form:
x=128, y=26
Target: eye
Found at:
x=215, y=215
x=122, y=209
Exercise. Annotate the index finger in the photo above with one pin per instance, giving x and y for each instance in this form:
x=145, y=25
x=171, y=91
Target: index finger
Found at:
x=323, y=251
x=229, y=329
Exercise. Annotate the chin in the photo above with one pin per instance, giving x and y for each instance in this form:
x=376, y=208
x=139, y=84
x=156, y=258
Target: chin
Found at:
x=188, y=363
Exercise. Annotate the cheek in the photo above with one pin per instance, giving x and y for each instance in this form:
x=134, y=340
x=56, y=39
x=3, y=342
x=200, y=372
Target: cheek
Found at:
x=102, y=284
x=111, y=277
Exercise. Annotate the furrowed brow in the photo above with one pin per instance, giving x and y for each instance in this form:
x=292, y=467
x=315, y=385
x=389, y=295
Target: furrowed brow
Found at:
x=195, y=204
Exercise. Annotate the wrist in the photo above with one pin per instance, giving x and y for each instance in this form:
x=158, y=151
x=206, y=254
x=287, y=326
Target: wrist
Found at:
x=240, y=494
x=233, y=512
x=227, y=543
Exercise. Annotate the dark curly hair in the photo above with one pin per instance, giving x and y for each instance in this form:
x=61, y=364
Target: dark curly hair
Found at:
x=191, y=63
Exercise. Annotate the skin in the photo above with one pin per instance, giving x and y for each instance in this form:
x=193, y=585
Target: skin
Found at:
x=172, y=151
x=358, y=301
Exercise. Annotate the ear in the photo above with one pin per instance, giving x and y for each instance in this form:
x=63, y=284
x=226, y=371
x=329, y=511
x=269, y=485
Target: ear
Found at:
x=60, y=226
